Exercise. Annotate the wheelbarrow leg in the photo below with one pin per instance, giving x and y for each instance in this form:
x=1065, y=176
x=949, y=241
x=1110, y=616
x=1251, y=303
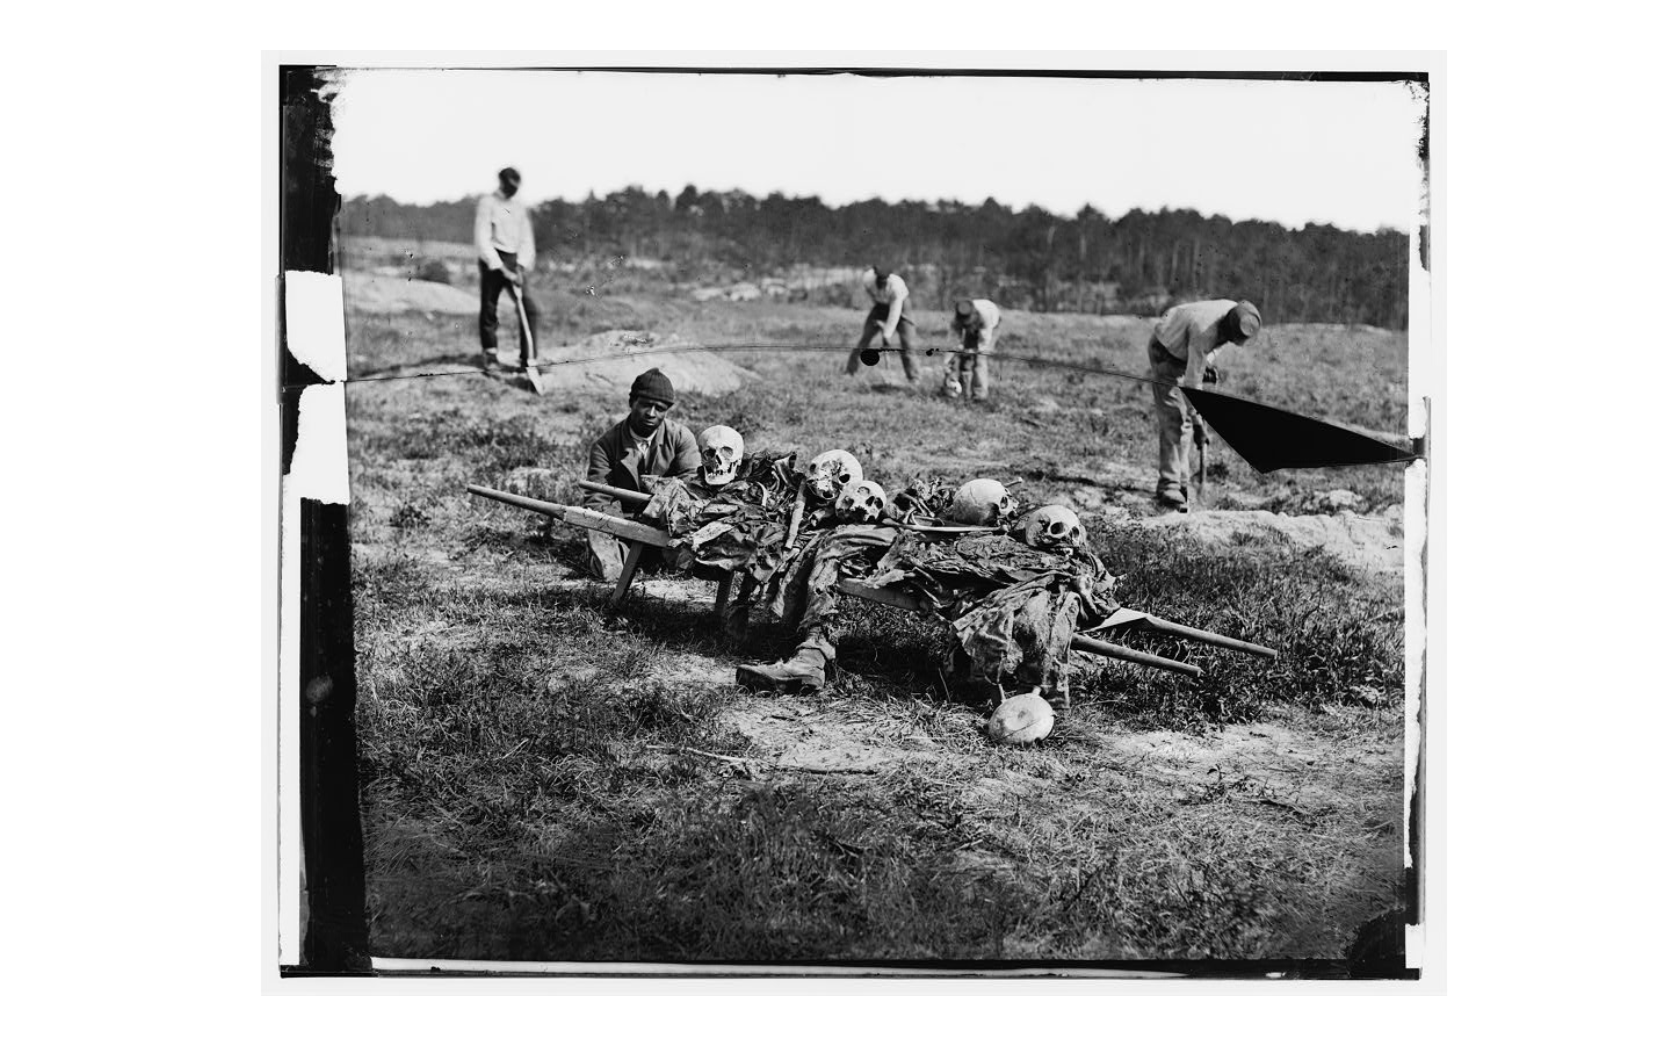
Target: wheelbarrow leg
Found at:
x=720, y=608
x=631, y=557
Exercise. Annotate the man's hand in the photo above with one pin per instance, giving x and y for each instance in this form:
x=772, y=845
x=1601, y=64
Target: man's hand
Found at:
x=1210, y=376
x=513, y=276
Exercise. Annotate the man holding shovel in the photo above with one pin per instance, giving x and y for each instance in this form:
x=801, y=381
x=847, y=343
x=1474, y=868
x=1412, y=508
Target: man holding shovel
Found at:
x=887, y=319
x=506, y=250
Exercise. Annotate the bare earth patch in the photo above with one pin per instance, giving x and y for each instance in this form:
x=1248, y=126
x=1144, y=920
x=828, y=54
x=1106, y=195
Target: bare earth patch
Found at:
x=382, y=294
x=598, y=364
x=1371, y=543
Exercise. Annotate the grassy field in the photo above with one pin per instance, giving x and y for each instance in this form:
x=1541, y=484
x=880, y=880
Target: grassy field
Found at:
x=544, y=781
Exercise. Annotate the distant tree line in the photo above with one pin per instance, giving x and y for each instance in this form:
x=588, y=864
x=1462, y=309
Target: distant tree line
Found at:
x=1032, y=259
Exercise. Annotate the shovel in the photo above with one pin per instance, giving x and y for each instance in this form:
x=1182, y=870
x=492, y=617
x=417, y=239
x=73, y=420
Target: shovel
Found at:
x=531, y=373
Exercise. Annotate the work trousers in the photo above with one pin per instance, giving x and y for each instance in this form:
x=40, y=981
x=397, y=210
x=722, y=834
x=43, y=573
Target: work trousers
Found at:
x=1174, y=419
x=491, y=284
x=968, y=374
x=906, y=340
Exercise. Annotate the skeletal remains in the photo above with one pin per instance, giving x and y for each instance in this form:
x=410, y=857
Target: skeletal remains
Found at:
x=1052, y=527
x=862, y=501
x=981, y=502
x=721, y=450
x=831, y=472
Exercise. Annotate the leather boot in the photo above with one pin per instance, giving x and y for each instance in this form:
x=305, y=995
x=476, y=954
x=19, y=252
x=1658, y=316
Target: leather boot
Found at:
x=806, y=669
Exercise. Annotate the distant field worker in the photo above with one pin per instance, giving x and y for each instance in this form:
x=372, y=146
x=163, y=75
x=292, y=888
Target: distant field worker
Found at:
x=643, y=444
x=967, y=374
x=887, y=318
x=1181, y=354
x=506, y=250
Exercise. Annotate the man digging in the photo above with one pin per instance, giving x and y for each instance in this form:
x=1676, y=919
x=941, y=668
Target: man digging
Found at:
x=967, y=372
x=886, y=319
x=506, y=250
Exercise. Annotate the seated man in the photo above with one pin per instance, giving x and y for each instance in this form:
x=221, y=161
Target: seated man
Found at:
x=643, y=444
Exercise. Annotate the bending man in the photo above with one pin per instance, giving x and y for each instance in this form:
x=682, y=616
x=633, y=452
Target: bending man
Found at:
x=887, y=318
x=1181, y=353
x=976, y=324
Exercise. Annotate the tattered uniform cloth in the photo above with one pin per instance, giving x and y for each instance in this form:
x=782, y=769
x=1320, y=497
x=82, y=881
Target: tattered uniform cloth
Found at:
x=1013, y=609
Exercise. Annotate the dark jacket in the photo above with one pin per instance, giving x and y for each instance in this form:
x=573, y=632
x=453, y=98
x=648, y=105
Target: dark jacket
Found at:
x=672, y=452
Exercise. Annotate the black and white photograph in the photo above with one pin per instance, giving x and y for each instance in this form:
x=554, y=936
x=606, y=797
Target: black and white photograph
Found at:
x=858, y=520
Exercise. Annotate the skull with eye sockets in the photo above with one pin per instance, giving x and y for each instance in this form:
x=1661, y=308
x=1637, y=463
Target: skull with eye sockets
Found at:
x=1052, y=528
x=721, y=449
x=831, y=472
x=861, y=501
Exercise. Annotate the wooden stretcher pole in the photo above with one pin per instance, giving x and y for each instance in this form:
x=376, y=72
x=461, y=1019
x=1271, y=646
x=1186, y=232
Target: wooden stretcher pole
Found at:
x=1085, y=643
x=638, y=499
x=1196, y=635
x=583, y=517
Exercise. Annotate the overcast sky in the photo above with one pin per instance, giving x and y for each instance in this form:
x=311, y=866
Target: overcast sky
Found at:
x=1288, y=151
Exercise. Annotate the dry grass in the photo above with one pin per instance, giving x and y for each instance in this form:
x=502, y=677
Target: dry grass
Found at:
x=544, y=782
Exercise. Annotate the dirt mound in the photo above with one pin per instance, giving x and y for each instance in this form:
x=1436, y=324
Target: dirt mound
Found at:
x=610, y=361
x=1374, y=544
x=372, y=293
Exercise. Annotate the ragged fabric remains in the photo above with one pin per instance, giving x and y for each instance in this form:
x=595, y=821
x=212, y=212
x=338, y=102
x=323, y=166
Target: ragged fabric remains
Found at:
x=741, y=527
x=805, y=590
x=1013, y=609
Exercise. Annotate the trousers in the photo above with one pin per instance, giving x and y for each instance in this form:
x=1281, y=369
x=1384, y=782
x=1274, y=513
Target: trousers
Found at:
x=906, y=341
x=969, y=375
x=1174, y=418
x=491, y=285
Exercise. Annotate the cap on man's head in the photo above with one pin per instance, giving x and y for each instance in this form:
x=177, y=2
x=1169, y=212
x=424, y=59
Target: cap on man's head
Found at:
x=965, y=307
x=508, y=175
x=881, y=273
x=654, y=386
x=1245, y=318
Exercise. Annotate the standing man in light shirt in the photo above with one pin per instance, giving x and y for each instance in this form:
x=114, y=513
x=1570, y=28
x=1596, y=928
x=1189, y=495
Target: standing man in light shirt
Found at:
x=975, y=323
x=887, y=318
x=506, y=250
x=1181, y=352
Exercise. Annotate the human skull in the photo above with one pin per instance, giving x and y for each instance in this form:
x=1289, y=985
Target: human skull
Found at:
x=720, y=455
x=862, y=501
x=1053, y=526
x=1022, y=719
x=981, y=502
x=831, y=472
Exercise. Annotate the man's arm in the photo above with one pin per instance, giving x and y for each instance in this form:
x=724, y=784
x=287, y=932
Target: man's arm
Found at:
x=900, y=292
x=687, y=463
x=1200, y=347
x=990, y=319
x=600, y=468
x=527, y=240
x=481, y=235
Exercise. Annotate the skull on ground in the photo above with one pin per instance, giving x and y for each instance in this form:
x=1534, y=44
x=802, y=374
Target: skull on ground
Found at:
x=721, y=448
